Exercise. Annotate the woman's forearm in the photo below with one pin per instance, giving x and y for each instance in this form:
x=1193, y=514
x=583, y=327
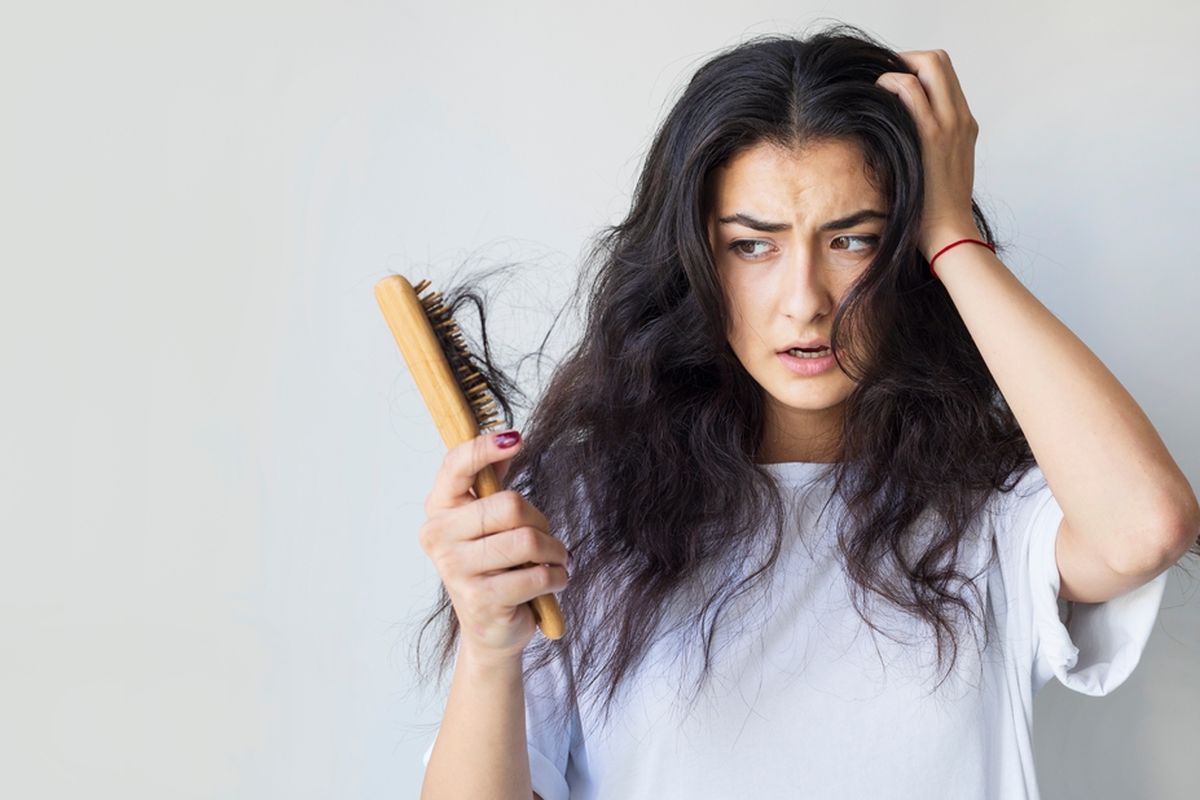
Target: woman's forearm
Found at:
x=480, y=749
x=1109, y=470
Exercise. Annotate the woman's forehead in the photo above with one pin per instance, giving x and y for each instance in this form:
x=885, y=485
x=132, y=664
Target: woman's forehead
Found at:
x=773, y=180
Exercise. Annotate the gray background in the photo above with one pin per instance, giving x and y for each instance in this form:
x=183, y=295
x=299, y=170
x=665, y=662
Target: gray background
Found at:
x=214, y=461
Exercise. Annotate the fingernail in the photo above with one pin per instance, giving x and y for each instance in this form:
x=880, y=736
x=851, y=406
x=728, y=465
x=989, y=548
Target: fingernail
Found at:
x=507, y=439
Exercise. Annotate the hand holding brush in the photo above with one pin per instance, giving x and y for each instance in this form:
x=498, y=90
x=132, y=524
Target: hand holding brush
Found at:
x=492, y=548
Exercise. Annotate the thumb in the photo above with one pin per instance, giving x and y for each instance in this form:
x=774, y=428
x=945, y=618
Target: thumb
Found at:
x=500, y=468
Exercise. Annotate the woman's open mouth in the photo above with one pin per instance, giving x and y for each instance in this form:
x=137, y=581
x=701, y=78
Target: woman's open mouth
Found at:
x=804, y=363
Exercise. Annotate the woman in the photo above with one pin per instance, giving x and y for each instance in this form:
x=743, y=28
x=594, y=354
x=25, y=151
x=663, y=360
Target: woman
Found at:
x=728, y=499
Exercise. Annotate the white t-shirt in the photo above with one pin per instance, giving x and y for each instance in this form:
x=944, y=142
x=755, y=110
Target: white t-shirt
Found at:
x=801, y=705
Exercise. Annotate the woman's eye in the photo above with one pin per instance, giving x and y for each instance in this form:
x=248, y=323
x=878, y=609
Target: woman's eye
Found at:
x=745, y=247
x=871, y=241
x=738, y=246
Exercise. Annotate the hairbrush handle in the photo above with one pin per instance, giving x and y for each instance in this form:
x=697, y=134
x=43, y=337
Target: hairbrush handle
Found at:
x=444, y=396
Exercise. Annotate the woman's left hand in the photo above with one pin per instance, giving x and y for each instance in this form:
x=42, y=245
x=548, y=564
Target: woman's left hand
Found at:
x=948, y=132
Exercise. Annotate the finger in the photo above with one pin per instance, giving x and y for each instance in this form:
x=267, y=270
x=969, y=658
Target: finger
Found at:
x=496, y=512
x=512, y=548
x=937, y=76
x=501, y=468
x=928, y=67
x=956, y=90
x=523, y=585
x=910, y=91
x=462, y=463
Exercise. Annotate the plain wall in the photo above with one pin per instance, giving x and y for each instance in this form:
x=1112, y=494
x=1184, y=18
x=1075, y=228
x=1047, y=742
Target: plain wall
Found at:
x=214, y=459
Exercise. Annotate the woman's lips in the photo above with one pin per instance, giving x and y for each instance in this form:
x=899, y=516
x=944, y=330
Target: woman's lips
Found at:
x=807, y=366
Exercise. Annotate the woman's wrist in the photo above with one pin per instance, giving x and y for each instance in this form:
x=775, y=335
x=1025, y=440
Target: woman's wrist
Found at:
x=944, y=235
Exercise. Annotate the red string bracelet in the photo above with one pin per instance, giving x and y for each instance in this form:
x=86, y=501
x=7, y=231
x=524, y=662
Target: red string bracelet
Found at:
x=991, y=247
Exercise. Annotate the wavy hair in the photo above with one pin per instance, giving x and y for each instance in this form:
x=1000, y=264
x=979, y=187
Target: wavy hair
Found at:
x=642, y=450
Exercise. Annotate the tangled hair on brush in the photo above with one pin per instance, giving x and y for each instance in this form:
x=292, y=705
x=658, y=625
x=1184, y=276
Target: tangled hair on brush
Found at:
x=642, y=450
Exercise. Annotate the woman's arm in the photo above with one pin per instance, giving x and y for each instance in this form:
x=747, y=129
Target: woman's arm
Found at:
x=1126, y=504
x=480, y=750
x=1128, y=511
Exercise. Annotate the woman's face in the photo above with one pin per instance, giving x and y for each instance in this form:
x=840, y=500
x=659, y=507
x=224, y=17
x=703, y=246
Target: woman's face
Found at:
x=784, y=284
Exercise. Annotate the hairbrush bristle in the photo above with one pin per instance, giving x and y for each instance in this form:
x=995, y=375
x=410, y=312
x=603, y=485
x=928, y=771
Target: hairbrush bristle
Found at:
x=462, y=361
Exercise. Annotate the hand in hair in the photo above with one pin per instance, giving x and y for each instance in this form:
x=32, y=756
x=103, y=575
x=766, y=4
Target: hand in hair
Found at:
x=948, y=131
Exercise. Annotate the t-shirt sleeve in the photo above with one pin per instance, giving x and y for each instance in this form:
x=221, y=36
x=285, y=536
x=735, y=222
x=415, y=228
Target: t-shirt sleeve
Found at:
x=554, y=741
x=1090, y=647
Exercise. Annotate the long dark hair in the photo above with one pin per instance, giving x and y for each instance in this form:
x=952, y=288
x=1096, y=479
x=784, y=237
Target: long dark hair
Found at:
x=642, y=450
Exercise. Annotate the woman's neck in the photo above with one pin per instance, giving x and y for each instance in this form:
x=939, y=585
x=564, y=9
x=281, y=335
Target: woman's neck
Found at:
x=784, y=441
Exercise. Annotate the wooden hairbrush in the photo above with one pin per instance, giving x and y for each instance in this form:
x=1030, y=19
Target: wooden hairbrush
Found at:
x=461, y=403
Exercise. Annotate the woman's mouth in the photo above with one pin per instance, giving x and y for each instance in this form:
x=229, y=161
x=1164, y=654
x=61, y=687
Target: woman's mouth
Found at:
x=804, y=363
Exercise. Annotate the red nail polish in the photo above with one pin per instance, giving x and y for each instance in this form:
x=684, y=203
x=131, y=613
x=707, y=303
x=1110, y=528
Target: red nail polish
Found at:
x=507, y=439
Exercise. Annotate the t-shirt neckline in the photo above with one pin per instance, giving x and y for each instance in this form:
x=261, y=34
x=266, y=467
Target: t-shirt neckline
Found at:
x=795, y=472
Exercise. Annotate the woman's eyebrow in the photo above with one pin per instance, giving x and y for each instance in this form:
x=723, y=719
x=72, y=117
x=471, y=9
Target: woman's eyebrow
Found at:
x=857, y=218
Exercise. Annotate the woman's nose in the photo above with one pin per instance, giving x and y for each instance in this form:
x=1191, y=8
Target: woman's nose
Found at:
x=805, y=288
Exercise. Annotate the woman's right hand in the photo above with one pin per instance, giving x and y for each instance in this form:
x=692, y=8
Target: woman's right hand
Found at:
x=481, y=548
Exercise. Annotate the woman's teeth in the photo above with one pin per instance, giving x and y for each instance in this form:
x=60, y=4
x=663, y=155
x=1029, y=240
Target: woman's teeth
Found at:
x=824, y=351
